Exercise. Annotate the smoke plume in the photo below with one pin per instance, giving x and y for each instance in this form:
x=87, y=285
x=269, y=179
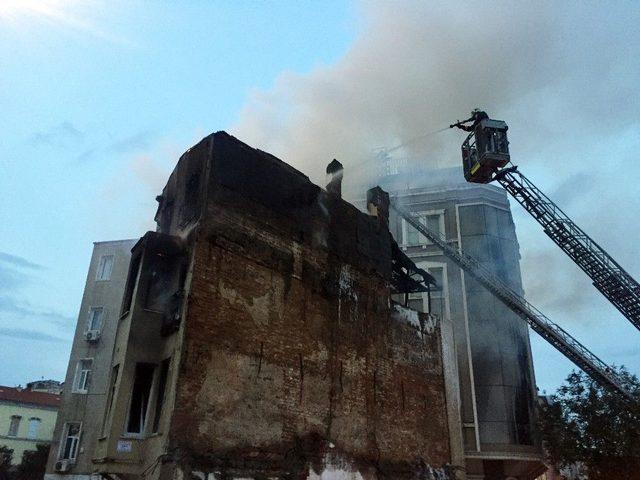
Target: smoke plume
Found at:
x=548, y=68
x=564, y=75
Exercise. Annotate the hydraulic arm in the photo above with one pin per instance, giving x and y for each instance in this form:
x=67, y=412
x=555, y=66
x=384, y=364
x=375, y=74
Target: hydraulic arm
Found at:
x=485, y=153
x=554, y=334
x=607, y=275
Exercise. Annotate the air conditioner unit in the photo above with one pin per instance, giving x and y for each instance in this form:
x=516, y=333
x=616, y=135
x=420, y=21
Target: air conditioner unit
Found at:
x=92, y=335
x=63, y=465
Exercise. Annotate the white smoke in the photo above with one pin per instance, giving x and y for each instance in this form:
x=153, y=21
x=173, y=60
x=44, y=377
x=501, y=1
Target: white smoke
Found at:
x=548, y=68
x=564, y=75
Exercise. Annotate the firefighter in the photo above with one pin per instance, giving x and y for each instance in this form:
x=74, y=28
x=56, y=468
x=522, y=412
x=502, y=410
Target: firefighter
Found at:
x=477, y=116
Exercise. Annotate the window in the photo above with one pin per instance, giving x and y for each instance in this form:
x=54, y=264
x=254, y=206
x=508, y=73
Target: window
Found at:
x=437, y=292
x=438, y=304
x=131, y=283
x=14, y=425
x=433, y=221
x=190, y=207
x=95, y=318
x=162, y=386
x=34, y=426
x=82, y=381
x=105, y=265
x=140, y=398
x=161, y=282
x=70, y=441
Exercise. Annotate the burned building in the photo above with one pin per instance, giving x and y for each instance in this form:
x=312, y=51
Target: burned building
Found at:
x=258, y=338
x=494, y=362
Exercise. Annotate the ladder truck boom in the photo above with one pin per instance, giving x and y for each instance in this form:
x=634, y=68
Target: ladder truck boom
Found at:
x=607, y=275
x=553, y=333
x=485, y=154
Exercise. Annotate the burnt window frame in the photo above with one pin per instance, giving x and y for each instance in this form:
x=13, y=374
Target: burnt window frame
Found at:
x=132, y=280
x=146, y=410
x=189, y=209
x=160, y=390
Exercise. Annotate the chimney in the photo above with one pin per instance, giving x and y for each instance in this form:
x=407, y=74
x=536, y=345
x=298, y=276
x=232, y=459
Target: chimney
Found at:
x=378, y=205
x=334, y=178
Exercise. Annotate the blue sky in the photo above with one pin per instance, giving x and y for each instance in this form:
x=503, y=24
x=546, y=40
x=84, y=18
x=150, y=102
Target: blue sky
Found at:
x=98, y=100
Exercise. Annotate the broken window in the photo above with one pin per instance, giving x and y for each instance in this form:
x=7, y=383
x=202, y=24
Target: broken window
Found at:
x=191, y=197
x=95, y=318
x=82, y=380
x=70, y=441
x=162, y=276
x=105, y=266
x=14, y=425
x=112, y=394
x=162, y=386
x=416, y=302
x=166, y=216
x=131, y=283
x=34, y=426
x=139, y=406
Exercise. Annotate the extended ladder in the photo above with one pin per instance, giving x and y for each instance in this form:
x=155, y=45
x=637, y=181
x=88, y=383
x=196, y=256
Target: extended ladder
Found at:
x=607, y=275
x=554, y=334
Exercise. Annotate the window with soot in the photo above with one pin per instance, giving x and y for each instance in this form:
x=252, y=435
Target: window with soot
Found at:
x=190, y=208
x=163, y=280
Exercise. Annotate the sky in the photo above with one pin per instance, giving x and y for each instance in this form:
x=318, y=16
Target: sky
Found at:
x=98, y=99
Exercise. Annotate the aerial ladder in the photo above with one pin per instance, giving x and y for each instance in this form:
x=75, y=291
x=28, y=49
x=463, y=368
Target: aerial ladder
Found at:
x=553, y=333
x=485, y=155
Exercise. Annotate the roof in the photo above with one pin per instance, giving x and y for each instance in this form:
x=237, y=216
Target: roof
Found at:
x=20, y=395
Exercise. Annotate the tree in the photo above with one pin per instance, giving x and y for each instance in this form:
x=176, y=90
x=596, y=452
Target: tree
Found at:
x=587, y=424
x=34, y=463
x=6, y=455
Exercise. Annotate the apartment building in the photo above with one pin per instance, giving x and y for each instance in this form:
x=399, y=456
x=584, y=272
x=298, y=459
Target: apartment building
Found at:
x=87, y=380
x=27, y=419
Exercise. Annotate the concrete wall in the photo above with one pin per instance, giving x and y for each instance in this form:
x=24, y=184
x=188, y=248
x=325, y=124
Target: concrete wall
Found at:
x=89, y=408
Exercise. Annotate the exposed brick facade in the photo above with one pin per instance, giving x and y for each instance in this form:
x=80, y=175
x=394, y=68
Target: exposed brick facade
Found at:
x=293, y=355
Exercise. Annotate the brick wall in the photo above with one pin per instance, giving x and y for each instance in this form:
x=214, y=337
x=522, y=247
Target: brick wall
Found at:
x=294, y=362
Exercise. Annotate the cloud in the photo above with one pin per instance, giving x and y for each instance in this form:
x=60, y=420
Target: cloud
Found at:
x=12, y=271
x=30, y=335
x=149, y=172
x=59, y=135
x=132, y=143
x=19, y=261
x=11, y=279
x=86, y=155
x=22, y=309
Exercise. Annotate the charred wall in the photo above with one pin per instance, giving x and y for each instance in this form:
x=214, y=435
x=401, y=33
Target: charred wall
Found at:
x=293, y=357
